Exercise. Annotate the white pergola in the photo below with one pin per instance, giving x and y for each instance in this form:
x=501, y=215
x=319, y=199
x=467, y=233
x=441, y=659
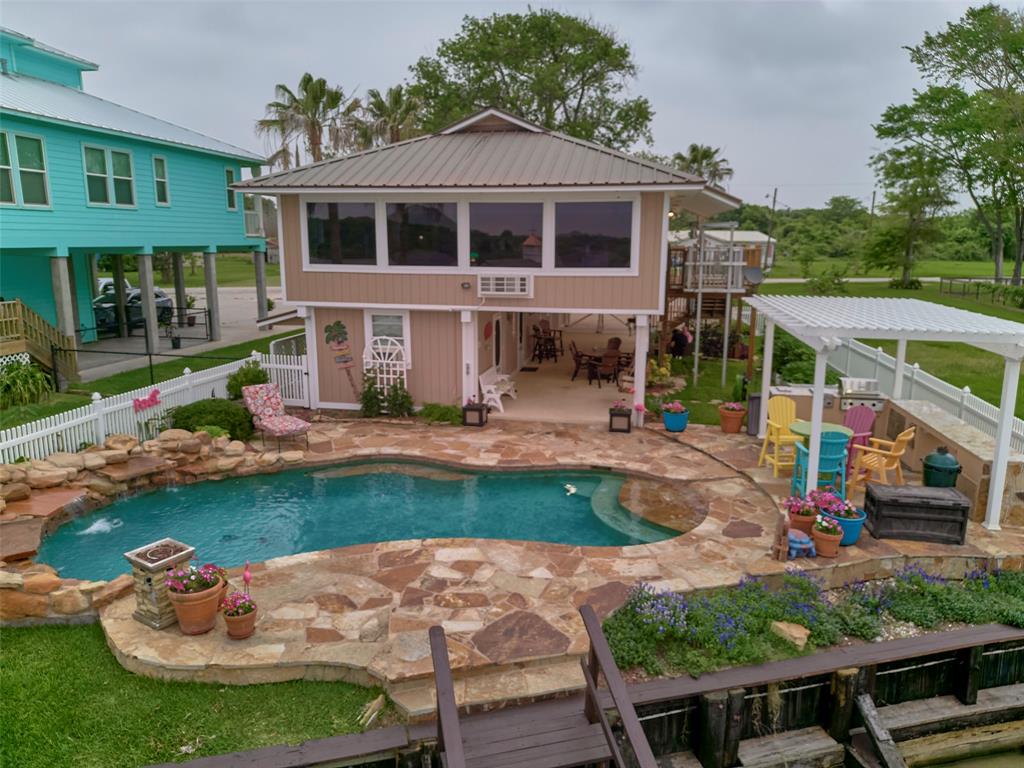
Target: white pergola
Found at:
x=822, y=322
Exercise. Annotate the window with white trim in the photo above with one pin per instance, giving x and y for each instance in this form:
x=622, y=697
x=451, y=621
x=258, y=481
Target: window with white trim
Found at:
x=393, y=324
x=507, y=234
x=109, y=176
x=7, y=196
x=341, y=233
x=593, y=235
x=31, y=159
x=229, y=179
x=121, y=175
x=160, y=185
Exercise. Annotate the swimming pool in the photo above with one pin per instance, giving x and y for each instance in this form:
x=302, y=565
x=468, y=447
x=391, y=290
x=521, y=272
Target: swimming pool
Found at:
x=263, y=516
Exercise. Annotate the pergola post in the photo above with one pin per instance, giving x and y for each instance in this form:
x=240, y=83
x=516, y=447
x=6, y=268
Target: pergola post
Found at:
x=997, y=483
x=901, y=364
x=766, y=375
x=725, y=335
x=643, y=337
x=817, y=405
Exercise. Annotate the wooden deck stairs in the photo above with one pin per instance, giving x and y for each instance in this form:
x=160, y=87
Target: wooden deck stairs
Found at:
x=23, y=330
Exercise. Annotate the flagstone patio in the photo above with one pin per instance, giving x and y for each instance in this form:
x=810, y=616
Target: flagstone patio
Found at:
x=361, y=613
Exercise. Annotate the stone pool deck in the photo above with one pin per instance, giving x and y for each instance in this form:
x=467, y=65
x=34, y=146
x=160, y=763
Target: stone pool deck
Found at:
x=361, y=613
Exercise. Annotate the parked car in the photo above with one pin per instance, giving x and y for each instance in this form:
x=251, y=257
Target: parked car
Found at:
x=104, y=309
x=106, y=285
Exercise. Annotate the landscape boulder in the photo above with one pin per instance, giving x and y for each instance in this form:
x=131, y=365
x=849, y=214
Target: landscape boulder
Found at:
x=793, y=633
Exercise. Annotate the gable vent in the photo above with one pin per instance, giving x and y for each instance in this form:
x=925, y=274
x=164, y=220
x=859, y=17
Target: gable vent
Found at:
x=505, y=285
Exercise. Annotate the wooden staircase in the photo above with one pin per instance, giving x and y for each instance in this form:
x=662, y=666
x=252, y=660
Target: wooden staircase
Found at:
x=22, y=329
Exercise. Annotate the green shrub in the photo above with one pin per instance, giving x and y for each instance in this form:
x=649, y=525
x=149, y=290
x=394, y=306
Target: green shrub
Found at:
x=370, y=405
x=22, y=384
x=226, y=414
x=913, y=284
x=212, y=430
x=435, y=413
x=248, y=375
x=398, y=401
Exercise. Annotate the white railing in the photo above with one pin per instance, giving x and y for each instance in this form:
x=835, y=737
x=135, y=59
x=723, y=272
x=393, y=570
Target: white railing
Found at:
x=105, y=416
x=856, y=359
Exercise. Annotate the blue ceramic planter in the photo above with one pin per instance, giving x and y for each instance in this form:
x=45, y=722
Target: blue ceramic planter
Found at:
x=851, y=527
x=675, y=422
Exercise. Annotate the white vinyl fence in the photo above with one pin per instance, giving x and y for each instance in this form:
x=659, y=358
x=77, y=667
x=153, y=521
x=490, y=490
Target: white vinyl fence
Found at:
x=117, y=415
x=859, y=360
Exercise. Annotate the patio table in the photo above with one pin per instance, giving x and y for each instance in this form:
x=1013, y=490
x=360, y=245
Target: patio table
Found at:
x=802, y=429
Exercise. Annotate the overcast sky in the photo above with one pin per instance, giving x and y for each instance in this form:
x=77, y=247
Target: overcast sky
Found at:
x=788, y=90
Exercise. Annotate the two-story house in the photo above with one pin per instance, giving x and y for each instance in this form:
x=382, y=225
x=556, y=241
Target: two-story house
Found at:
x=81, y=176
x=443, y=244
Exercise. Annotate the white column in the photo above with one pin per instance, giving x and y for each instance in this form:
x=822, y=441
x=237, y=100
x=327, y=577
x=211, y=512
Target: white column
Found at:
x=643, y=339
x=212, y=305
x=817, y=404
x=152, y=329
x=259, y=261
x=469, y=357
x=901, y=364
x=725, y=336
x=312, y=357
x=766, y=374
x=60, y=277
x=180, y=297
x=997, y=483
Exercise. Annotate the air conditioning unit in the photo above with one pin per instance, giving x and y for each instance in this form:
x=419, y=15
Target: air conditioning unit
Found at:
x=520, y=286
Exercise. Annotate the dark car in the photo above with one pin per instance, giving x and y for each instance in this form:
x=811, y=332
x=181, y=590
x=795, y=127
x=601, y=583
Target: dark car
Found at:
x=105, y=312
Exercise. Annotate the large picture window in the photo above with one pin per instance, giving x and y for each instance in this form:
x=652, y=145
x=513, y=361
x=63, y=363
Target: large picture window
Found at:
x=593, y=235
x=422, y=235
x=341, y=233
x=505, y=234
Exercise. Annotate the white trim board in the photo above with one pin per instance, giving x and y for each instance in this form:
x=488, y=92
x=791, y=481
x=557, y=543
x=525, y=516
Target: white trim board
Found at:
x=481, y=308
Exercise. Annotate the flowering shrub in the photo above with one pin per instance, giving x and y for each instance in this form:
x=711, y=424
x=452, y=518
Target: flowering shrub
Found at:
x=673, y=407
x=797, y=505
x=657, y=374
x=828, y=526
x=194, y=578
x=733, y=407
x=640, y=408
x=829, y=502
x=237, y=604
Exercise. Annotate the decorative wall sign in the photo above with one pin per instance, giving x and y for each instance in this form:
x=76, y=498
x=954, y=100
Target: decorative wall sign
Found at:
x=336, y=337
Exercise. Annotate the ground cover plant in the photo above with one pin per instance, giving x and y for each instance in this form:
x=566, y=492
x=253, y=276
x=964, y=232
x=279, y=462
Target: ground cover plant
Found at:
x=671, y=633
x=65, y=701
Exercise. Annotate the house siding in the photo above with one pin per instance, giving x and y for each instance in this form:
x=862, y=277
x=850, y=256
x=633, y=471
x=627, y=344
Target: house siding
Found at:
x=640, y=293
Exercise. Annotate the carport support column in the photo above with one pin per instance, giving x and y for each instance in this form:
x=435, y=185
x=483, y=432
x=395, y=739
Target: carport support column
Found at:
x=259, y=262
x=146, y=287
x=817, y=404
x=901, y=364
x=997, y=483
x=766, y=375
x=120, y=297
x=180, y=297
x=60, y=279
x=643, y=338
x=469, y=356
x=212, y=306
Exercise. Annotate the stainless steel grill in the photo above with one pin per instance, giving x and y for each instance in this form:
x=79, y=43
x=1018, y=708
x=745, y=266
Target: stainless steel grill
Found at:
x=853, y=391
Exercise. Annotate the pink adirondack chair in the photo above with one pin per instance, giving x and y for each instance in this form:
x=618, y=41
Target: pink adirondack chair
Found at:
x=861, y=419
x=264, y=402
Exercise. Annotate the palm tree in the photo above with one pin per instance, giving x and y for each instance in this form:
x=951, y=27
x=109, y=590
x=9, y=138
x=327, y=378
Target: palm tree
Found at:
x=276, y=127
x=308, y=112
x=389, y=118
x=704, y=161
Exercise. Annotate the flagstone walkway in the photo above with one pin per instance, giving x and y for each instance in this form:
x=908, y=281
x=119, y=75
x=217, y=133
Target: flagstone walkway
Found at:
x=361, y=613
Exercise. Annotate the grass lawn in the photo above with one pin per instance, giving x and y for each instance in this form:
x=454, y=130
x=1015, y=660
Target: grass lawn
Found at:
x=697, y=399
x=959, y=364
x=232, y=271
x=924, y=268
x=64, y=700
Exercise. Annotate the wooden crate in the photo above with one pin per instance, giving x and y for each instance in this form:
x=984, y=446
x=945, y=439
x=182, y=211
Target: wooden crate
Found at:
x=916, y=513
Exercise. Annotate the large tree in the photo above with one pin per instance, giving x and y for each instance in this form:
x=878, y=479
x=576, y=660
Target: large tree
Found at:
x=704, y=161
x=317, y=114
x=560, y=71
x=389, y=117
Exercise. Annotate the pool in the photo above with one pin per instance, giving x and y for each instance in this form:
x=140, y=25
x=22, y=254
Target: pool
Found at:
x=263, y=516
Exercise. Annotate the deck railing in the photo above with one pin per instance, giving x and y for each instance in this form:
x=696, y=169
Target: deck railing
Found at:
x=22, y=329
x=117, y=414
x=714, y=270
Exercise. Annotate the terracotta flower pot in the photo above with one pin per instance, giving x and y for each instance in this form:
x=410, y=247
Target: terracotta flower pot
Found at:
x=731, y=421
x=802, y=523
x=826, y=544
x=241, y=627
x=197, y=611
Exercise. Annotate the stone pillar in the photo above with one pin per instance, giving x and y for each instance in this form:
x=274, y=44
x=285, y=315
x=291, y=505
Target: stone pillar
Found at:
x=120, y=297
x=146, y=287
x=212, y=305
x=60, y=279
x=259, y=262
x=180, y=297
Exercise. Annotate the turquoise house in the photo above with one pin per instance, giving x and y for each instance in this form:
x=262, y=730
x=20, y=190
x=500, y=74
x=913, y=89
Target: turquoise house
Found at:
x=81, y=177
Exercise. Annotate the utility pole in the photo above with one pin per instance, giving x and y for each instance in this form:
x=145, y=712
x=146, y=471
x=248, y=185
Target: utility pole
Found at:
x=771, y=220
x=871, y=216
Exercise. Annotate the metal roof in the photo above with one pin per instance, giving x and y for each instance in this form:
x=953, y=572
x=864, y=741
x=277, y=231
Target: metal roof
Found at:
x=826, y=318
x=482, y=159
x=52, y=101
x=33, y=43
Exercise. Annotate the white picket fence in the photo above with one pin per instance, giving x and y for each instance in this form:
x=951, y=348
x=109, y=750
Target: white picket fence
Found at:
x=856, y=359
x=105, y=416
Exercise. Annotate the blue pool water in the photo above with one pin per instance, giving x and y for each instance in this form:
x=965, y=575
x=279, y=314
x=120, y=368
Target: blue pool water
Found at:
x=264, y=516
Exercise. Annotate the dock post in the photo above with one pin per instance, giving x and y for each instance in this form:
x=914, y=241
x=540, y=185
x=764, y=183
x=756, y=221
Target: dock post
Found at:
x=737, y=698
x=968, y=674
x=711, y=727
x=842, y=703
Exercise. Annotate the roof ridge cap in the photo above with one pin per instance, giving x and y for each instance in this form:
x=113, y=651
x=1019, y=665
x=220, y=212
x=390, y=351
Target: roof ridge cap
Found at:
x=626, y=156
x=360, y=153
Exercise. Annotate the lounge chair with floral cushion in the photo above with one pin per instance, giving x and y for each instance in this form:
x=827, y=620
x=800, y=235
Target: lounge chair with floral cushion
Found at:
x=264, y=402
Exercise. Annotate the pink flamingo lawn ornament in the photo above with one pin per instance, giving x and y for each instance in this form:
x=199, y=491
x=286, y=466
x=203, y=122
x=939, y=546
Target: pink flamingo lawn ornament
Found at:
x=247, y=577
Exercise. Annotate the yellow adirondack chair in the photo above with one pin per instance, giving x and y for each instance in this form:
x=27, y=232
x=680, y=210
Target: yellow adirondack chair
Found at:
x=781, y=413
x=880, y=458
